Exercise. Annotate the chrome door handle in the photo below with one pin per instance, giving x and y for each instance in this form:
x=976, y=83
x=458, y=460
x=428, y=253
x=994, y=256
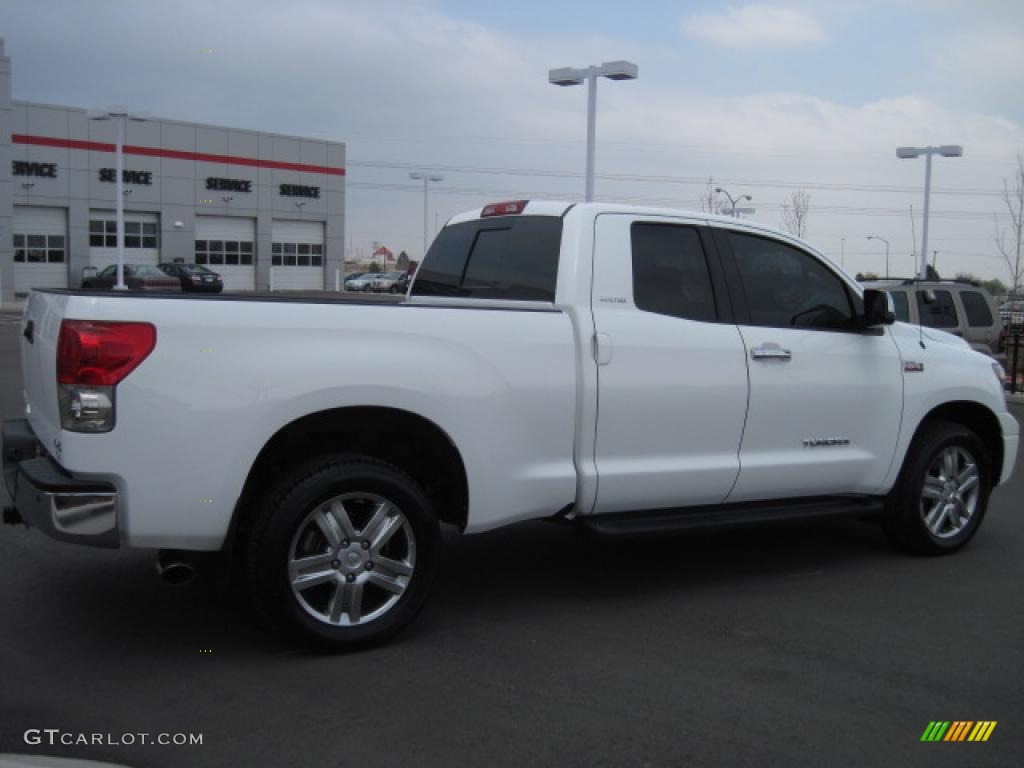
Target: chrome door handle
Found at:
x=770, y=351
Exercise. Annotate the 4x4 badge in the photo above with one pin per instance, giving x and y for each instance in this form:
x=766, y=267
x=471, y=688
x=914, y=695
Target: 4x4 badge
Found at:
x=911, y=366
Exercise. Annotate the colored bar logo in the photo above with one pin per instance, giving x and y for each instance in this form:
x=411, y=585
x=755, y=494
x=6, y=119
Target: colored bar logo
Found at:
x=959, y=730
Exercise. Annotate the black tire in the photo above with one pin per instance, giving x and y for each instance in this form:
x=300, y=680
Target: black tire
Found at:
x=394, y=289
x=906, y=507
x=287, y=517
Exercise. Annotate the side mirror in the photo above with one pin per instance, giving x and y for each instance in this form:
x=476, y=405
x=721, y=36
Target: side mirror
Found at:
x=878, y=308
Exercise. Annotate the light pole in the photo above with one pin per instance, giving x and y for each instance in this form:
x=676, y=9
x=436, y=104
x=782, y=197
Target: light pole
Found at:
x=733, y=201
x=613, y=70
x=426, y=178
x=876, y=237
x=120, y=116
x=906, y=153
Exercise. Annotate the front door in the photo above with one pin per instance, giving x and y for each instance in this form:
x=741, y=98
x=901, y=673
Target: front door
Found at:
x=826, y=397
x=672, y=373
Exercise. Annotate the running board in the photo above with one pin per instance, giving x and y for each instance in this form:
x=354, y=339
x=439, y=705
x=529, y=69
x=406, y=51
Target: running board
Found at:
x=653, y=521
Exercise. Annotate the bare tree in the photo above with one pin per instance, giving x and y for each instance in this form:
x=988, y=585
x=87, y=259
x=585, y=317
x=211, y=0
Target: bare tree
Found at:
x=1009, y=245
x=707, y=198
x=794, y=213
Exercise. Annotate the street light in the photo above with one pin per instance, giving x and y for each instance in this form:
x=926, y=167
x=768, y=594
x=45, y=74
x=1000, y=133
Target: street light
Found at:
x=426, y=178
x=907, y=153
x=120, y=116
x=733, y=201
x=613, y=70
x=876, y=237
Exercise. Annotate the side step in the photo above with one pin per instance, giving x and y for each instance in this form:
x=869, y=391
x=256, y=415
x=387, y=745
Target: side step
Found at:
x=653, y=521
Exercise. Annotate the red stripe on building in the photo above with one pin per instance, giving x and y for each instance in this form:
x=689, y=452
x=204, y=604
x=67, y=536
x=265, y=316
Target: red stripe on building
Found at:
x=174, y=154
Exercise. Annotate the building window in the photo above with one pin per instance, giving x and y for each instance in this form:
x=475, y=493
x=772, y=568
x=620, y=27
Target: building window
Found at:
x=297, y=254
x=137, y=234
x=225, y=252
x=38, y=249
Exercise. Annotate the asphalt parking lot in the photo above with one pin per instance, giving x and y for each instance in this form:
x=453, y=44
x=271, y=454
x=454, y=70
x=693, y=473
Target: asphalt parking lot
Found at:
x=816, y=645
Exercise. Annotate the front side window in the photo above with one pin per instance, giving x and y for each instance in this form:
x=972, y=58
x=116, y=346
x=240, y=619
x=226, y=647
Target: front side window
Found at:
x=976, y=309
x=670, y=272
x=941, y=313
x=788, y=288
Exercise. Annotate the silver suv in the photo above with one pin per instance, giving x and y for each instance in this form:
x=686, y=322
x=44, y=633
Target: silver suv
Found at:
x=961, y=308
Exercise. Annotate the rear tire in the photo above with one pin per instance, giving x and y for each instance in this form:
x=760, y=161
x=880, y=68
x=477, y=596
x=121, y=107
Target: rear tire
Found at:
x=343, y=552
x=942, y=492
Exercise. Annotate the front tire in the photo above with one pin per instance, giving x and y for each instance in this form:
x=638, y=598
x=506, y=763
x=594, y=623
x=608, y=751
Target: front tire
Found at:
x=343, y=552
x=942, y=493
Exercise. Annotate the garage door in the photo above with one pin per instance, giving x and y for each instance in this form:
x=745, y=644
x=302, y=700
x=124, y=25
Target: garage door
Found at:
x=227, y=245
x=297, y=255
x=40, y=248
x=141, y=238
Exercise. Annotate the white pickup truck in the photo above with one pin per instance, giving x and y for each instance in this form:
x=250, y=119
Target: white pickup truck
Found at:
x=636, y=371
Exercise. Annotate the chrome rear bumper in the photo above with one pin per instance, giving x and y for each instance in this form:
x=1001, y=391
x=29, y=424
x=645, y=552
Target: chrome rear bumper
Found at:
x=48, y=498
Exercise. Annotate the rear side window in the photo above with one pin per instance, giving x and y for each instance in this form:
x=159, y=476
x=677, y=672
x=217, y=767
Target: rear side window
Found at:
x=901, y=305
x=670, y=272
x=941, y=313
x=976, y=309
x=511, y=257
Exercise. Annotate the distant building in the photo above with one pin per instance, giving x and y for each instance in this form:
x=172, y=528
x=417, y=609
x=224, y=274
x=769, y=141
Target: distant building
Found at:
x=258, y=208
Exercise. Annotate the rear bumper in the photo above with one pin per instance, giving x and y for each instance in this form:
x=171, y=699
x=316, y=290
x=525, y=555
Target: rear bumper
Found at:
x=48, y=498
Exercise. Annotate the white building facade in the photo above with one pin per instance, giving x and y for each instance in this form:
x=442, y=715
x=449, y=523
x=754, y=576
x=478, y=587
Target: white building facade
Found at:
x=265, y=211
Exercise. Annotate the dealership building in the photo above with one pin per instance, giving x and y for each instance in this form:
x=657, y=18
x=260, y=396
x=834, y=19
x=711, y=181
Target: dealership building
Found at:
x=265, y=211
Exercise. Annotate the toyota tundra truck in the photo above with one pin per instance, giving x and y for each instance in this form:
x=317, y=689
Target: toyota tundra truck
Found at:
x=631, y=370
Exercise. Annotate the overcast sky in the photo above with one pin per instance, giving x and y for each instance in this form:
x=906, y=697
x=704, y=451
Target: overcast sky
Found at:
x=765, y=97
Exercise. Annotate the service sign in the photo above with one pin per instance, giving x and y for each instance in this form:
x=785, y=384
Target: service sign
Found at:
x=42, y=170
x=144, y=178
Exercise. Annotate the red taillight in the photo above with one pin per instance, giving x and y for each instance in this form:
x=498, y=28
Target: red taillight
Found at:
x=504, y=209
x=101, y=353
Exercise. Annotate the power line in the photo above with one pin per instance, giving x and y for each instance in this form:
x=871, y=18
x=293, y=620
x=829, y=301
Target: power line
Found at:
x=683, y=180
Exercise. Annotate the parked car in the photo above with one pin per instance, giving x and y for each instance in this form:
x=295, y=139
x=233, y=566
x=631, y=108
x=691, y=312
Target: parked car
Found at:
x=387, y=283
x=628, y=370
x=362, y=283
x=1011, y=313
x=962, y=308
x=402, y=286
x=193, y=277
x=138, y=277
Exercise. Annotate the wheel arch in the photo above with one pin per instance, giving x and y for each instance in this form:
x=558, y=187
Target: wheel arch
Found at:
x=414, y=444
x=976, y=417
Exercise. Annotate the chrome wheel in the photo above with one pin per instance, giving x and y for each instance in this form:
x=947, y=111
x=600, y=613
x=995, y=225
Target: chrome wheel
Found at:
x=949, y=495
x=351, y=559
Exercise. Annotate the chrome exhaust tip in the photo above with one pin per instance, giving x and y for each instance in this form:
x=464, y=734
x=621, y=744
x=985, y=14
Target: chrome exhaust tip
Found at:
x=175, y=568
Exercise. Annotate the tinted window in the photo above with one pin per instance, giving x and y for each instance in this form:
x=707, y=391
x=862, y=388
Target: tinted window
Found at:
x=976, y=309
x=670, y=272
x=511, y=257
x=902, y=305
x=786, y=287
x=941, y=313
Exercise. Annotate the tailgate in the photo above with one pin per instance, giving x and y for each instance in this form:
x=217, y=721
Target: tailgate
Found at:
x=40, y=327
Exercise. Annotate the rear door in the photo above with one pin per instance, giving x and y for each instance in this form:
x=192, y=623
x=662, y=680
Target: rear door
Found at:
x=826, y=398
x=672, y=375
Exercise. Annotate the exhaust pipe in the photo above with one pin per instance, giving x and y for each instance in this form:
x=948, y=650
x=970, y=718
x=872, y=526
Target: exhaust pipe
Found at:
x=175, y=568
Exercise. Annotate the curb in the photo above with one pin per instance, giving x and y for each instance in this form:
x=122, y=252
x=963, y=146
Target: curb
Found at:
x=1016, y=399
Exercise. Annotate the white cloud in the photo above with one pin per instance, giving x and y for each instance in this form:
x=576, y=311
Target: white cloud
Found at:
x=755, y=25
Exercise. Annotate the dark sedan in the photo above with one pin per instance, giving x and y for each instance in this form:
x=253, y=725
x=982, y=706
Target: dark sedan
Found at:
x=137, y=277
x=194, y=277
